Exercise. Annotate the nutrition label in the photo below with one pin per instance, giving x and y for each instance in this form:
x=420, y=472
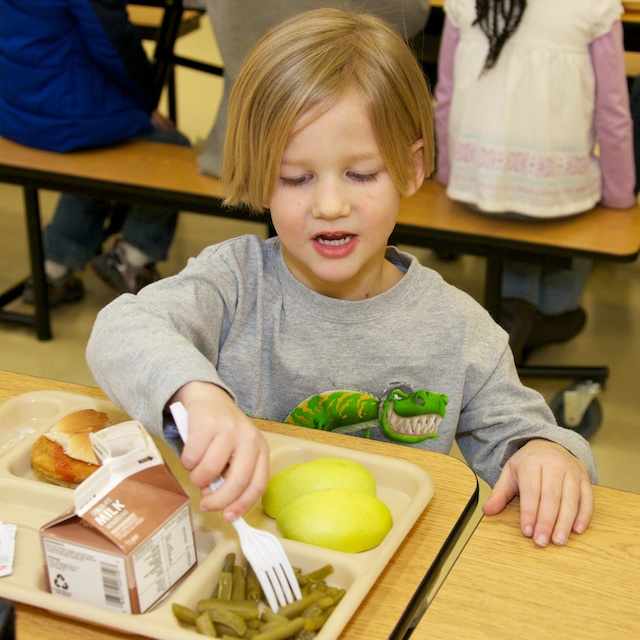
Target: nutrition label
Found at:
x=164, y=558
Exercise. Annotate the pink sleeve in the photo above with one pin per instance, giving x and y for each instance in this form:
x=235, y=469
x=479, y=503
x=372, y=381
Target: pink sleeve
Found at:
x=612, y=120
x=443, y=92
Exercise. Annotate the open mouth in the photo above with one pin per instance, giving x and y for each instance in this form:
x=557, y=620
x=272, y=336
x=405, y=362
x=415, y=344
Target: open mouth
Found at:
x=334, y=241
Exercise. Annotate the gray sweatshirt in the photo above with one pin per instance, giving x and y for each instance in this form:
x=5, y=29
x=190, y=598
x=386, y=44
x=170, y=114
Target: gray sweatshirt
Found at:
x=236, y=317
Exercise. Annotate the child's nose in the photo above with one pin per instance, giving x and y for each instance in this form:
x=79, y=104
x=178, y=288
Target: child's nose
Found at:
x=331, y=200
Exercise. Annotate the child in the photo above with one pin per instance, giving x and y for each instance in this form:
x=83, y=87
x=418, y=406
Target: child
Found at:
x=525, y=91
x=329, y=127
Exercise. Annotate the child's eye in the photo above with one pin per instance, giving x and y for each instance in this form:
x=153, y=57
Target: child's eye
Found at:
x=363, y=177
x=294, y=182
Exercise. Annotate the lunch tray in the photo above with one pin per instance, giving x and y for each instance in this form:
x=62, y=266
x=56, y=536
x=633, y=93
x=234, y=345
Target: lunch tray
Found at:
x=30, y=503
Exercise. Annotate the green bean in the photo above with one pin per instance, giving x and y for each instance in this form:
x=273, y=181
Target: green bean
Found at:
x=283, y=631
x=245, y=609
x=225, y=582
x=320, y=574
x=205, y=626
x=253, y=591
x=316, y=623
x=269, y=616
x=238, y=586
x=295, y=608
x=184, y=614
x=228, y=619
x=236, y=610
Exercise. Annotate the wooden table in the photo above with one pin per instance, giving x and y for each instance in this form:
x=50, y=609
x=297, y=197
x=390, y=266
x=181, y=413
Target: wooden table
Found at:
x=502, y=586
x=391, y=604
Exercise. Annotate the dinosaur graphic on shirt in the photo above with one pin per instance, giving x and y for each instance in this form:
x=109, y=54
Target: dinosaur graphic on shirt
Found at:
x=402, y=414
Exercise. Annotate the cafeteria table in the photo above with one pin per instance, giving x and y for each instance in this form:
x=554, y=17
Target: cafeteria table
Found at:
x=502, y=586
x=395, y=598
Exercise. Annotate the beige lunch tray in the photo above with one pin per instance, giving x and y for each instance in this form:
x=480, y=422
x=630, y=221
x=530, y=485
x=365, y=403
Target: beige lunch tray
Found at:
x=30, y=503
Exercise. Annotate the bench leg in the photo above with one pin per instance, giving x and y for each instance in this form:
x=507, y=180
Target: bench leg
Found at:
x=493, y=285
x=36, y=253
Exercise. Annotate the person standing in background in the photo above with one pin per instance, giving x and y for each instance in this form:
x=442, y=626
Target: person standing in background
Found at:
x=532, y=119
x=237, y=25
x=74, y=75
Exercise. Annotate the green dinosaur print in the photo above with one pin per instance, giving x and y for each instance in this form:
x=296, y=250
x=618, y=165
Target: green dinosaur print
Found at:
x=402, y=415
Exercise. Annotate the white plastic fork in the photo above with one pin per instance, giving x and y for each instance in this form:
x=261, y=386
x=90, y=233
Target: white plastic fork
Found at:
x=262, y=549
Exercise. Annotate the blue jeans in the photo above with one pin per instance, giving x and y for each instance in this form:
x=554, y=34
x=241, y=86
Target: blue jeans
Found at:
x=74, y=234
x=550, y=290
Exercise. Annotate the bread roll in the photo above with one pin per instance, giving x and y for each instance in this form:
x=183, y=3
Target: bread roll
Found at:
x=64, y=455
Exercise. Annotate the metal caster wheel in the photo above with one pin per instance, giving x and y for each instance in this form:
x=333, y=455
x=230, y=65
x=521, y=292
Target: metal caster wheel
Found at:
x=578, y=408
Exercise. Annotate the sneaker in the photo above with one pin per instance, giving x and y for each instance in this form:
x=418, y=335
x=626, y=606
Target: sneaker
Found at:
x=66, y=289
x=113, y=268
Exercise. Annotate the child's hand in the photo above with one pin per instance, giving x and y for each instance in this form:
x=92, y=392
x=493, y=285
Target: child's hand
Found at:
x=223, y=441
x=556, y=496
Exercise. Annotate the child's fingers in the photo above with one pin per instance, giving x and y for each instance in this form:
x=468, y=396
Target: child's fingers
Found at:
x=252, y=493
x=585, y=509
x=568, y=508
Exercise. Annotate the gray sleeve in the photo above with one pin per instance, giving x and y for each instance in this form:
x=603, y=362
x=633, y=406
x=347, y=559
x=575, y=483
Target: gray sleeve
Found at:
x=143, y=348
x=500, y=414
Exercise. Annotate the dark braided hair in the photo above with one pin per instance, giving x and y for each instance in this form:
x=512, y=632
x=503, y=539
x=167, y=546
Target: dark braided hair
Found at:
x=498, y=20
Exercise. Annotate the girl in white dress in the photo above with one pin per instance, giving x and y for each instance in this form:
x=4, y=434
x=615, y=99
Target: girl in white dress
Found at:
x=532, y=118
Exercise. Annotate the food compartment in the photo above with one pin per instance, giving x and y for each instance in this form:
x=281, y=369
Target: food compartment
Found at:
x=29, y=508
x=346, y=572
x=25, y=418
x=400, y=485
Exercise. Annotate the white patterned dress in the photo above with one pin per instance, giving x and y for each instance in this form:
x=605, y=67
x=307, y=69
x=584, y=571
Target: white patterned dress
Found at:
x=521, y=138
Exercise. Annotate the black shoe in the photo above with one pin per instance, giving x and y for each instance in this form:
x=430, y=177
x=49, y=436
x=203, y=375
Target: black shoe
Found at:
x=517, y=318
x=114, y=269
x=554, y=329
x=64, y=290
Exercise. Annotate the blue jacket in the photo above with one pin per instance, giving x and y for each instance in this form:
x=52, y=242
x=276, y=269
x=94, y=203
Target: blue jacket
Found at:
x=73, y=74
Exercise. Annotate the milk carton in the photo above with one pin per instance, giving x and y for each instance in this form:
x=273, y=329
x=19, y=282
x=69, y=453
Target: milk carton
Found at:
x=129, y=538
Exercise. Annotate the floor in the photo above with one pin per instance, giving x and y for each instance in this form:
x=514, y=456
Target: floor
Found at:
x=612, y=301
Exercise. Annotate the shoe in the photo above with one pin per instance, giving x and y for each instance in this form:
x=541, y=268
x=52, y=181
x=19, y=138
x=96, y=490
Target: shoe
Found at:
x=553, y=329
x=517, y=318
x=64, y=290
x=114, y=269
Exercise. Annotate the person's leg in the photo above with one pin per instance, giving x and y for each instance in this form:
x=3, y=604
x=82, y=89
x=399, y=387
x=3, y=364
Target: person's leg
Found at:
x=561, y=289
x=560, y=316
x=74, y=234
x=70, y=241
x=522, y=280
x=147, y=234
x=519, y=303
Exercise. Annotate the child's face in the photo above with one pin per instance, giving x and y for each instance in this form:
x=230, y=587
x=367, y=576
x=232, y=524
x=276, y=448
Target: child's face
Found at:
x=334, y=205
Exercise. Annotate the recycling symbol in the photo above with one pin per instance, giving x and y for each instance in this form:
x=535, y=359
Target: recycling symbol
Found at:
x=60, y=582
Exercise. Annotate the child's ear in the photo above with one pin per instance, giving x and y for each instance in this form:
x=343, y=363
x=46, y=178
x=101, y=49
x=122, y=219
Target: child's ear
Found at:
x=417, y=159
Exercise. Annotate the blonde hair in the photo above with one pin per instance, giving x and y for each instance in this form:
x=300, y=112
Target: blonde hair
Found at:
x=311, y=60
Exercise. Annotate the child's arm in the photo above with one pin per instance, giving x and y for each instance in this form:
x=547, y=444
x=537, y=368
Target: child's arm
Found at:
x=612, y=119
x=556, y=496
x=443, y=93
x=222, y=441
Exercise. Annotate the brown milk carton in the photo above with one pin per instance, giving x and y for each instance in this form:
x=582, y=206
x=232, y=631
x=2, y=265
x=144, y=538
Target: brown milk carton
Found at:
x=129, y=538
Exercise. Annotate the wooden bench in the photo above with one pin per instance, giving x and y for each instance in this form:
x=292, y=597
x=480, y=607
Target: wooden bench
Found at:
x=168, y=175
x=144, y=172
